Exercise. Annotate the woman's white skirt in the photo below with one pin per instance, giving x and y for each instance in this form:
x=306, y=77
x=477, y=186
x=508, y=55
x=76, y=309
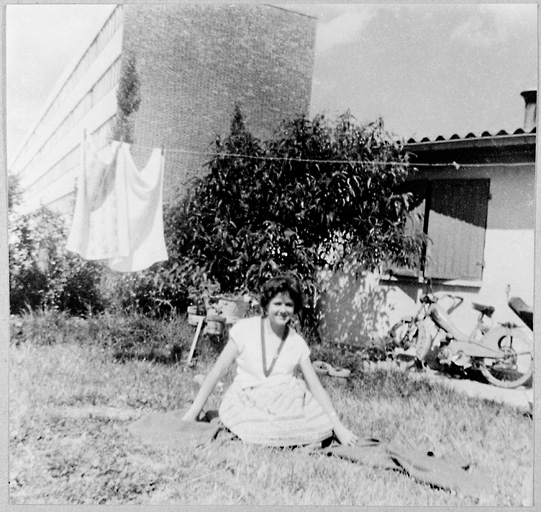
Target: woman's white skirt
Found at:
x=285, y=414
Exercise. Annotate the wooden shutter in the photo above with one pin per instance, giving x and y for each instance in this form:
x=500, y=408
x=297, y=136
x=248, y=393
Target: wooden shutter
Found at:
x=456, y=229
x=416, y=220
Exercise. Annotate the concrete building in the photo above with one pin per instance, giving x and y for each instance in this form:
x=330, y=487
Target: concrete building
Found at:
x=193, y=63
x=476, y=198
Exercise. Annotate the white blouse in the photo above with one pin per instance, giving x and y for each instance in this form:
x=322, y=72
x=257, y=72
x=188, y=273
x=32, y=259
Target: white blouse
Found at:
x=246, y=334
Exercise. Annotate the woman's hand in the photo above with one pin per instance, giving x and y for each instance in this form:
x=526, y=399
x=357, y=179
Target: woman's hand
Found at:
x=345, y=436
x=222, y=363
x=189, y=417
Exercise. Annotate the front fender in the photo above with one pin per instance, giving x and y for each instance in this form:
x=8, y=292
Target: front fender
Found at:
x=500, y=337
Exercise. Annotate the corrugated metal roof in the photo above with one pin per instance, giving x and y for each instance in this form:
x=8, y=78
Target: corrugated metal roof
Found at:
x=455, y=136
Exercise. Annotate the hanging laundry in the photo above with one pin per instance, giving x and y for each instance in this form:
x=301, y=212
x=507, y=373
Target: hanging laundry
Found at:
x=144, y=206
x=119, y=211
x=98, y=230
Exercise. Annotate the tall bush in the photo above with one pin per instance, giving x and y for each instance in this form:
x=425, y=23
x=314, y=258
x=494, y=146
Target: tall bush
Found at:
x=14, y=192
x=43, y=274
x=154, y=292
x=316, y=195
x=128, y=100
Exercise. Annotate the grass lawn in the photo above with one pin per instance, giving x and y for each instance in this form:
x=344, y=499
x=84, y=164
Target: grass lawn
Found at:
x=75, y=385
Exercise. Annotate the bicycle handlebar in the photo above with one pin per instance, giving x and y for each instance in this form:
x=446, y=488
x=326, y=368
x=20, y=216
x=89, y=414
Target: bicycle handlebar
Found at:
x=430, y=298
x=458, y=301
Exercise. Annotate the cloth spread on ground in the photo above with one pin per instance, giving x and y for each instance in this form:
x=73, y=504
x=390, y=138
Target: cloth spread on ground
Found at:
x=168, y=430
x=119, y=210
x=439, y=472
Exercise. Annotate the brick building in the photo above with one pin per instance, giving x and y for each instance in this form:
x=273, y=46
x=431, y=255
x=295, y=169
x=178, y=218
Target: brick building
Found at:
x=194, y=63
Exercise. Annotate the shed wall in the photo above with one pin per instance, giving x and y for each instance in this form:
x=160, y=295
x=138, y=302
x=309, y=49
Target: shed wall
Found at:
x=354, y=309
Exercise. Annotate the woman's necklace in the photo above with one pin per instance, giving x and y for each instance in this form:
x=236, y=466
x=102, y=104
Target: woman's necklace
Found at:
x=268, y=371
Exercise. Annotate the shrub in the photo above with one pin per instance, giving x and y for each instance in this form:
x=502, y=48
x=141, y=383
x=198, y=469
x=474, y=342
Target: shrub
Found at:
x=315, y=196
x=43, y=274
x=14, y=192
x=155, y=292
x=128, y=100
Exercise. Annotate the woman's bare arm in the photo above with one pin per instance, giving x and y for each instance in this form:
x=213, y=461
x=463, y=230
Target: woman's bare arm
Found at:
x=344, y=435
x=223, y=362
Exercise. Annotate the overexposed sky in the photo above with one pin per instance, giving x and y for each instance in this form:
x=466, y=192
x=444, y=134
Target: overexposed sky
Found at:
x=41, y=40
x=427, y=69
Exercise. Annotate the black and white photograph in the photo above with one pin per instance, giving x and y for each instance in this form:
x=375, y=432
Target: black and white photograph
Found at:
x=270, y=254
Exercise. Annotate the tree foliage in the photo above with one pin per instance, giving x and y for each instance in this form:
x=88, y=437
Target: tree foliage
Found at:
x=128, y=100
x=15, y=193
x=43, y=274
x=317, y=194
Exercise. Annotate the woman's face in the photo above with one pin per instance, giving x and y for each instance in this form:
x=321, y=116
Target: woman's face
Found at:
x=281, y=309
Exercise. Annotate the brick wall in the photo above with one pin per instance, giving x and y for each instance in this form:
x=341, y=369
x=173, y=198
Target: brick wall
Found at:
x=196, y=61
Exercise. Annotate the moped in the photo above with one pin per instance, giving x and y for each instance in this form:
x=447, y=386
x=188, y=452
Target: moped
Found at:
x=502, y=353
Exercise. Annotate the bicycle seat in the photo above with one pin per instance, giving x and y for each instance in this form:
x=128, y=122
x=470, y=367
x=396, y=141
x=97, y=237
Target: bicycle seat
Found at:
x=486, y=310
x=524, y=311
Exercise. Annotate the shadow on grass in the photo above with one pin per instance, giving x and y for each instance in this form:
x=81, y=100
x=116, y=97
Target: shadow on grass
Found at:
x=152, y=355
x=208, y=348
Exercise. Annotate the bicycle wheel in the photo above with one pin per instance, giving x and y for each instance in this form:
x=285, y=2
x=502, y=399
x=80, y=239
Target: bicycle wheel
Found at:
x=421, y=341
x=402, y=331
x=515, y=368
x=406, y=334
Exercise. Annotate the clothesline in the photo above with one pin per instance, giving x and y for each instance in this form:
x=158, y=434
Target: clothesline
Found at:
x=320, y=161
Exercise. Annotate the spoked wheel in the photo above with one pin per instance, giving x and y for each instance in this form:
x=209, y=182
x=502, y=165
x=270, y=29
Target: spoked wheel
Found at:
x=515, y=368
x=401, y=334
x=406, y=334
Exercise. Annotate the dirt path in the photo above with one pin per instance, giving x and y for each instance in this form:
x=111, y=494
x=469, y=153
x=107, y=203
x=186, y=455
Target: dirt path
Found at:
x=520, y=398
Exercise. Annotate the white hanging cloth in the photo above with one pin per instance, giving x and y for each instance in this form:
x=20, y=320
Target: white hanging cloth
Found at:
x=118, y=213
x=144, y=212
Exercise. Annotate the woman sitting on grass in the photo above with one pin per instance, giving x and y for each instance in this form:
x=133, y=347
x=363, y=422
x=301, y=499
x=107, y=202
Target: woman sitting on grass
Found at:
x=266, y=404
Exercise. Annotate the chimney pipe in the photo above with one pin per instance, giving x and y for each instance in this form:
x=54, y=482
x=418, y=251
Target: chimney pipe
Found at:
x=530, y=113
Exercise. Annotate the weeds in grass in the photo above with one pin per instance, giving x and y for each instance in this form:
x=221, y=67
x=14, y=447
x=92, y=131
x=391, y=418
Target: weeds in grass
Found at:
x=86, y=458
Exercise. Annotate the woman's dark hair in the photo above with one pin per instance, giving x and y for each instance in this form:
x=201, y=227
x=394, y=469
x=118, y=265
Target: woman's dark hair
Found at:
x=282, y=284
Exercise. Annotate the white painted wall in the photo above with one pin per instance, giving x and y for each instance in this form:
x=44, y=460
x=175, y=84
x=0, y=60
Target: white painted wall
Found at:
x=356, y=308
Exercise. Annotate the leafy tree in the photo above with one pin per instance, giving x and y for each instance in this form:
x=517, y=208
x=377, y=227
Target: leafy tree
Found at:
x=128, y=100
x=14, y=192
x=316, y=195
x=43, y=273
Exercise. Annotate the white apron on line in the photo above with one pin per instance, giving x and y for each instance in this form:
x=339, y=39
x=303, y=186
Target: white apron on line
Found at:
x=118, y=213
